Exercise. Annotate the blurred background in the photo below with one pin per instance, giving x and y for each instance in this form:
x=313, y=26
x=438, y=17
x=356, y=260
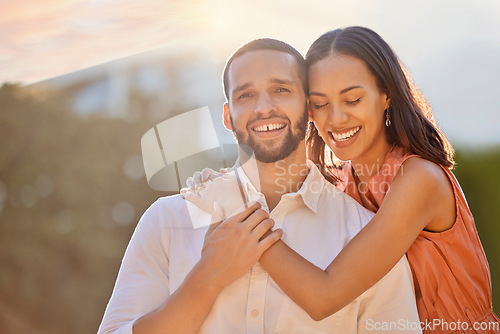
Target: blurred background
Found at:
x=82, y=81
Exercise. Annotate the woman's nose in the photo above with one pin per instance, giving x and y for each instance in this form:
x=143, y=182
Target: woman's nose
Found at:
x=337, y=117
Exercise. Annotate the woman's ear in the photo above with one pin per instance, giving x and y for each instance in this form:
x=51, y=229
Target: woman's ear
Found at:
x=226, y=117
x=387, y=103
x=309, y=112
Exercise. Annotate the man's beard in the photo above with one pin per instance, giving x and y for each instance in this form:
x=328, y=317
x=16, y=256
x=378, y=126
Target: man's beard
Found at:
x=269, y=153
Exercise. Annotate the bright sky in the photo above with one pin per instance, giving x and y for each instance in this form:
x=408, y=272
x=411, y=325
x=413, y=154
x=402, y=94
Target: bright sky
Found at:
x=440, y=41
x=43, y=39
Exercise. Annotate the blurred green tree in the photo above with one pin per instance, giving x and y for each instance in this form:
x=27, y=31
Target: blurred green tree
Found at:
x=62, y=179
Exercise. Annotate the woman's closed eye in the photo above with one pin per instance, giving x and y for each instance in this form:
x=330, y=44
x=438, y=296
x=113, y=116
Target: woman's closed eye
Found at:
x=319, y=106
x=352, y=102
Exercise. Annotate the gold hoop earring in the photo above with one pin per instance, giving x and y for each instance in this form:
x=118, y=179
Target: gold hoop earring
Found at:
x=387, y=118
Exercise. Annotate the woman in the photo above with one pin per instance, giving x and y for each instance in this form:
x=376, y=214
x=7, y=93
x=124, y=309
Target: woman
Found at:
x=367, y=111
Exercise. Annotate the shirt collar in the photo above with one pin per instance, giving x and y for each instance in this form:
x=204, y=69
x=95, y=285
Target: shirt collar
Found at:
x=310, y=191
x=312, y=188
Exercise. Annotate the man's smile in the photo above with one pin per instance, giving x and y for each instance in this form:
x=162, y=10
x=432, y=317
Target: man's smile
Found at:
x=268, y=128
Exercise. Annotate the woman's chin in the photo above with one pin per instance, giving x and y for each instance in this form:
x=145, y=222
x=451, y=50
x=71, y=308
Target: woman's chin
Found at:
x=342, y=155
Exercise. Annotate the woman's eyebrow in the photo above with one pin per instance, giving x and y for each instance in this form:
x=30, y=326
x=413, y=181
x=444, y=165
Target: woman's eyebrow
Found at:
x=317, y=93
x=345, y=90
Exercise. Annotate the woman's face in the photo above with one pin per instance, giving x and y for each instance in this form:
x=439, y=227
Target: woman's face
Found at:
x=347, y=107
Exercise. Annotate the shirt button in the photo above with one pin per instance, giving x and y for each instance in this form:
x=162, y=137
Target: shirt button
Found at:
x=254, y=313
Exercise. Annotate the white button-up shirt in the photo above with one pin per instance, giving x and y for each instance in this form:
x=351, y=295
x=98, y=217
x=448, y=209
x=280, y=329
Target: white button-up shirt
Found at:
x=317, y=221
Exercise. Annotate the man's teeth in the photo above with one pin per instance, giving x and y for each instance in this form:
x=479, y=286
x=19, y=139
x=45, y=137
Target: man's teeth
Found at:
x=269, y=127
x=346, y=135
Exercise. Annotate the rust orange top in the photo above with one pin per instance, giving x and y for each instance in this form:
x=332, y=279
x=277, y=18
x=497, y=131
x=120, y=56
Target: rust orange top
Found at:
x=450, y=271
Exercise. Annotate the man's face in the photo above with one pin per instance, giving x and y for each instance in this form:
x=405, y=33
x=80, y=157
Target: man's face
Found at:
x=267, y=104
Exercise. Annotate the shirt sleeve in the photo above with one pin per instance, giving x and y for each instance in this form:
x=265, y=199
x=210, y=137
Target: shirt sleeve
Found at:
x=389, y=306
x=142, y=284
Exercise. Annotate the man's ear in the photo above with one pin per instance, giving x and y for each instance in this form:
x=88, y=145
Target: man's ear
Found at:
x=226, y=117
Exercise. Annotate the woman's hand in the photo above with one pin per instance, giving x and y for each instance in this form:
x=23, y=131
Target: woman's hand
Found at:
x=223, y=189
x=197, y=181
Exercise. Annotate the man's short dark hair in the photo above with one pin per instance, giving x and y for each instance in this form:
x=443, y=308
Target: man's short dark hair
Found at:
x=267, y=44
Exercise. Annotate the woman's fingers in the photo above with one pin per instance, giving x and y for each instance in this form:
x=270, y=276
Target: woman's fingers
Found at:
x=262, y=228
x=224, y=170
x=189, y=182
x=199, y=202
x=208, y=174
x=197, y=180
x=268, y=241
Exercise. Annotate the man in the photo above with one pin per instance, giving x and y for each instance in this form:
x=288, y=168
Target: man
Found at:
x=174, y=279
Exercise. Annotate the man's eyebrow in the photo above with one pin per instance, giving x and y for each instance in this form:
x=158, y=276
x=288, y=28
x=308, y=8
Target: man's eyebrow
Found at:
x=345, y=90
x=282, y=81
x=241, y=87
x=273, y=80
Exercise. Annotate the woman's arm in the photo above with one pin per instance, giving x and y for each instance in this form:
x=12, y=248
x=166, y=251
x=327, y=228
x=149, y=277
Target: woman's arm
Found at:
x=417, y=199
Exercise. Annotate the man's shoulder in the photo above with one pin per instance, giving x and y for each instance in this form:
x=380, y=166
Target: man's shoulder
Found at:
x=167, y=204
x=343, y=205
x=171, y=201
x=169, y=211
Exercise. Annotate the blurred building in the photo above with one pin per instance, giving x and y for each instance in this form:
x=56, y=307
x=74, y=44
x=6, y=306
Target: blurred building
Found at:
x=165, y=80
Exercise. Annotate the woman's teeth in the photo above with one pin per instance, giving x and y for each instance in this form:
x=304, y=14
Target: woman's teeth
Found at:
x=346, y=135
x=269, y=127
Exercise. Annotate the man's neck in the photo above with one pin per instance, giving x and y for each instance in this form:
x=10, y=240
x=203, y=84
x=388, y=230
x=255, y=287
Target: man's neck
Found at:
x=278, y=178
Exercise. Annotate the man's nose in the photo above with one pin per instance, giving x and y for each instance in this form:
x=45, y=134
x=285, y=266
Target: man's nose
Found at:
x=264, y=104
